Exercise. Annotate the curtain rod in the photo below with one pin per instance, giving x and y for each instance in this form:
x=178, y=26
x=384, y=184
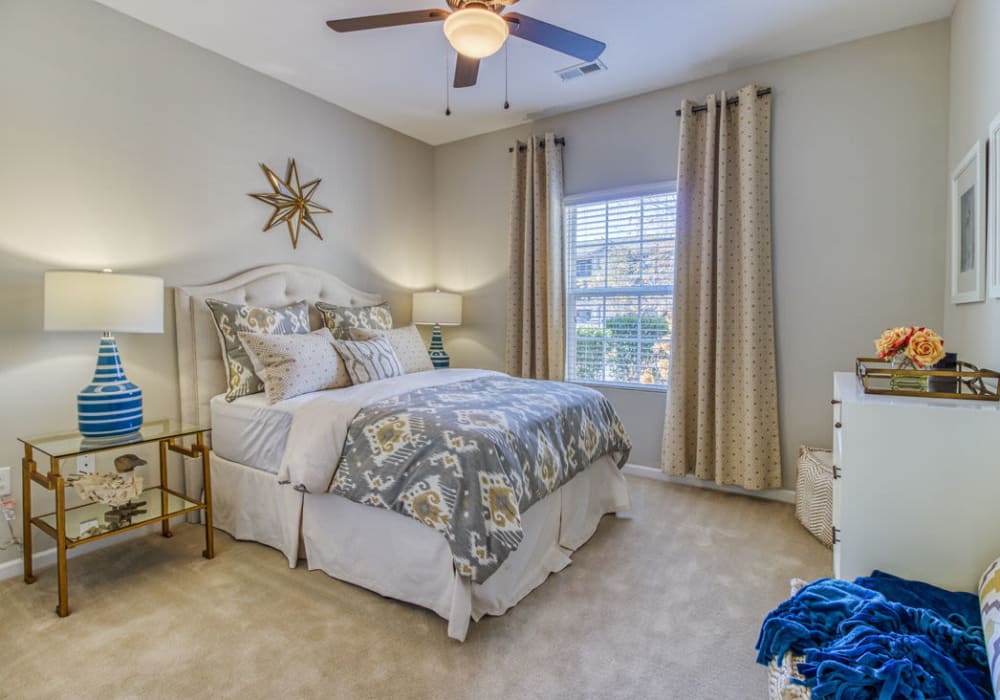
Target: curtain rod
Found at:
x=730, y=101
x=541, y=144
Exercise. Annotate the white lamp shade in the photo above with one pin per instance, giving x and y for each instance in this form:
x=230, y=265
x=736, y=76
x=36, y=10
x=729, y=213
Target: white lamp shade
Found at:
x=103, y=301
x=444, y=308
x=476, y=32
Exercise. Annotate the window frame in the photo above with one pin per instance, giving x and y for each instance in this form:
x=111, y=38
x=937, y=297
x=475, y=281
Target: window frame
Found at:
x=593, y=197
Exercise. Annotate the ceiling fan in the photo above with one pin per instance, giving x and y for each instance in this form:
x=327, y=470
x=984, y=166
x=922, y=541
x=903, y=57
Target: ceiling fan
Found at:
x=477, y=29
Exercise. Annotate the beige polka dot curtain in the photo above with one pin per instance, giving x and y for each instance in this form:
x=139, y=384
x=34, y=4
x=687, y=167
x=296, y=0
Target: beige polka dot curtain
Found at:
x=722, y=407
x=535, y=296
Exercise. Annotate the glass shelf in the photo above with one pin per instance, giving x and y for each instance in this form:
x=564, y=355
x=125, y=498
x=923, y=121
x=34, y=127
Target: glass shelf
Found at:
x=63, y=445
x=91, y=520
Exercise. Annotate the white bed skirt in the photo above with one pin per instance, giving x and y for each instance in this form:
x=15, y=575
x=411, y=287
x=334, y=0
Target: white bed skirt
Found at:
x=400, y=558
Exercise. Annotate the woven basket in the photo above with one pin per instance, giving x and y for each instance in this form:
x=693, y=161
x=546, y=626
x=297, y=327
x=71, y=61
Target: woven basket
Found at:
x=779, y=678
x=814, y=493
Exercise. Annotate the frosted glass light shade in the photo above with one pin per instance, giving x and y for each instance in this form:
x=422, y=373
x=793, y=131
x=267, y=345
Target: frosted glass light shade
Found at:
x=103, y=301
x=444, y=308
x=475, y=32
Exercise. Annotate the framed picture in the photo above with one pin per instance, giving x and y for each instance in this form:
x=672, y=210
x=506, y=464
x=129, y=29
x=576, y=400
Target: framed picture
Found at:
x=992, y=206
x=968, y=234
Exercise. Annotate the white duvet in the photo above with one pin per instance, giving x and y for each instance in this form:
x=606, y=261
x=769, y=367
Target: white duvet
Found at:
x=319, y=426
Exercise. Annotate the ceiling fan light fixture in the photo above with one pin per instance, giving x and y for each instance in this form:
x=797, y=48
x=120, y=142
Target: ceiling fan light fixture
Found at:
x=476, y=32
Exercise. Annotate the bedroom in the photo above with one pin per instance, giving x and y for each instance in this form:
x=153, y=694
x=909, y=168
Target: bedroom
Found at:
x=131, y=141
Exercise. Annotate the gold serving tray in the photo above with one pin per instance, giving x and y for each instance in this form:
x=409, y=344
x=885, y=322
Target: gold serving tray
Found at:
x=876, y=377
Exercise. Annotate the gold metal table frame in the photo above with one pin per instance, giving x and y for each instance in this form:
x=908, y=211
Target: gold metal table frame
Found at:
x=164, y=432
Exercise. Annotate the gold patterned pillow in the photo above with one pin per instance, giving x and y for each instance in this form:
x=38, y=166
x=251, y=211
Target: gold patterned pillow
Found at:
x=341, y=319
x=989, y=608
x=369, y=360
x=407, y=343
x=233, y=319
x=292, y=365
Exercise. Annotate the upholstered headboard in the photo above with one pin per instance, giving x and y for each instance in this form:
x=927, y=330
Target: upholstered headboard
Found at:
x=199, y=355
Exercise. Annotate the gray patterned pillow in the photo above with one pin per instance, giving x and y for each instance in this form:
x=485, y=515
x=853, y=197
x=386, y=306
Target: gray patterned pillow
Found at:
x=233, y=319
x=341, y=319
x=292, y=365
x=407, y=343
x=369, y=360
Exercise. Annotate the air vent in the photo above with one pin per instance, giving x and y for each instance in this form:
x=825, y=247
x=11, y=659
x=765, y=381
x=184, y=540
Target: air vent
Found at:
x=580, y=70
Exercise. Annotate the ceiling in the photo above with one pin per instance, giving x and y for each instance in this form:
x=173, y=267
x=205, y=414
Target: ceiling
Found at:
x=396, y=76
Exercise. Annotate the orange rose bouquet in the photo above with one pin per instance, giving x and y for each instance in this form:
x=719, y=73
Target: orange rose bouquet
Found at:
x=920, y=345
x=893, y=340
x=926, y=348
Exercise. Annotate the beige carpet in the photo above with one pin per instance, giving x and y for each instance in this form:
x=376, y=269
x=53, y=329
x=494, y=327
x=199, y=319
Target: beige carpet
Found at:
x=662, y=603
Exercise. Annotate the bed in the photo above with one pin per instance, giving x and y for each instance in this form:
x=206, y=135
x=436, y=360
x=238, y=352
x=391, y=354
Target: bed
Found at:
x=378, y=549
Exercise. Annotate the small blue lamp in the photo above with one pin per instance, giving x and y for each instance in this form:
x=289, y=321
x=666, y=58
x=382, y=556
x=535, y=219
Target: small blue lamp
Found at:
x=441, y=309
x=111, y=405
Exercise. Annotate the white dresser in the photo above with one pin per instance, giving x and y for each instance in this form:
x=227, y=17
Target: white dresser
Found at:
x=916, y=491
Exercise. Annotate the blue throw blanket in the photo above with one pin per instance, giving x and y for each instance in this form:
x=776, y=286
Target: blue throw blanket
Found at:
x=881, y=637
x=960, y=608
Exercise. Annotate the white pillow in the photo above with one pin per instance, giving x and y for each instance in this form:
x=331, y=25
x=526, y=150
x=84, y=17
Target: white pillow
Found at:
x=407, y=343
x=291, y=365
x=369, y=360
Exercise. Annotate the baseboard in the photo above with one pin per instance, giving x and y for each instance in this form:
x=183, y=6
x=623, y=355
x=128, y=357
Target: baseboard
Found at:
x=783, y=495
x=47, y=557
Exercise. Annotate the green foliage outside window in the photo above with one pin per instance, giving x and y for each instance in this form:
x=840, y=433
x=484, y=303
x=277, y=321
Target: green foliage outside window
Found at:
x=626, y=352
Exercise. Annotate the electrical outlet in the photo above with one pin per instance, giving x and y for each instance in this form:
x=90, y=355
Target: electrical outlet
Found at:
x=4, y=481
x=86, y=464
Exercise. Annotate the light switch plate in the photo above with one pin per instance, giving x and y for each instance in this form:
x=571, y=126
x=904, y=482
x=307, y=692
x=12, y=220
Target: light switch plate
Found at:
x=4, y=481
x=86, y=464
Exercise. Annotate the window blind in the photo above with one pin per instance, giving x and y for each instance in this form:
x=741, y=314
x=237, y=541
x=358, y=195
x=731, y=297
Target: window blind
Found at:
x=619, y=286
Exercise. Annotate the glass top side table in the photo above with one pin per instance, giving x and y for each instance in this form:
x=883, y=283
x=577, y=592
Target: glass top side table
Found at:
x=72, y=527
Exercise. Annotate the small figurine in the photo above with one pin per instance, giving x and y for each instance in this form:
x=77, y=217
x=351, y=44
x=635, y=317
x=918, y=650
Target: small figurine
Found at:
x=120, y=516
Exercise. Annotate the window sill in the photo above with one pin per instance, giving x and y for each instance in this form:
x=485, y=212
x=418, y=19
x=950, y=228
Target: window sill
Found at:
x=616, y=385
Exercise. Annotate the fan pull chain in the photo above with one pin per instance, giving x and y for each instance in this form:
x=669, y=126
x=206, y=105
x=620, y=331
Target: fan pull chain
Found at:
x=506, y=75
x=447, y=83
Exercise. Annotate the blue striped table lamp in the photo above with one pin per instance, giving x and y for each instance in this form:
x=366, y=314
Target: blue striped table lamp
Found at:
x=441, y=309
x=110, y=405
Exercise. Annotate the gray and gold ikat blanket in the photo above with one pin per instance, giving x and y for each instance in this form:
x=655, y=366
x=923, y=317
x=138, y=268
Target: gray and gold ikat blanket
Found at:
x=468, y=458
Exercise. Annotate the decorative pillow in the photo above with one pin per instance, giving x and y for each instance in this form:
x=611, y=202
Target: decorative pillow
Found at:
x=233, y=319
x=989, y=604
x=292, y=365
x=407, y=343
x=341, y=319
x=369, y=360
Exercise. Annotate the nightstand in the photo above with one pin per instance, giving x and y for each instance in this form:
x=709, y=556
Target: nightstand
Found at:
x=72, y=527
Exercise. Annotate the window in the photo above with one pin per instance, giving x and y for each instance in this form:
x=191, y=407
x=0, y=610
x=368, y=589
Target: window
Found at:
x=620, y=285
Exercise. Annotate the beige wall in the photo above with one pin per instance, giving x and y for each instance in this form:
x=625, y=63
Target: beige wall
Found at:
x=859, y=148
x=973, y=330
x=125, y=147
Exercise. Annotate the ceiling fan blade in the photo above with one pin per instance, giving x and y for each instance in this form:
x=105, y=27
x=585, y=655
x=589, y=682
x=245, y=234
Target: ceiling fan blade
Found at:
x=553, y=37
x=393, y=19
x=466, y=71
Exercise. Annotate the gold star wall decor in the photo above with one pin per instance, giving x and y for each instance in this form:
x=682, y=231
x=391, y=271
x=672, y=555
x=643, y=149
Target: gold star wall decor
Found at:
x=292, y=202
